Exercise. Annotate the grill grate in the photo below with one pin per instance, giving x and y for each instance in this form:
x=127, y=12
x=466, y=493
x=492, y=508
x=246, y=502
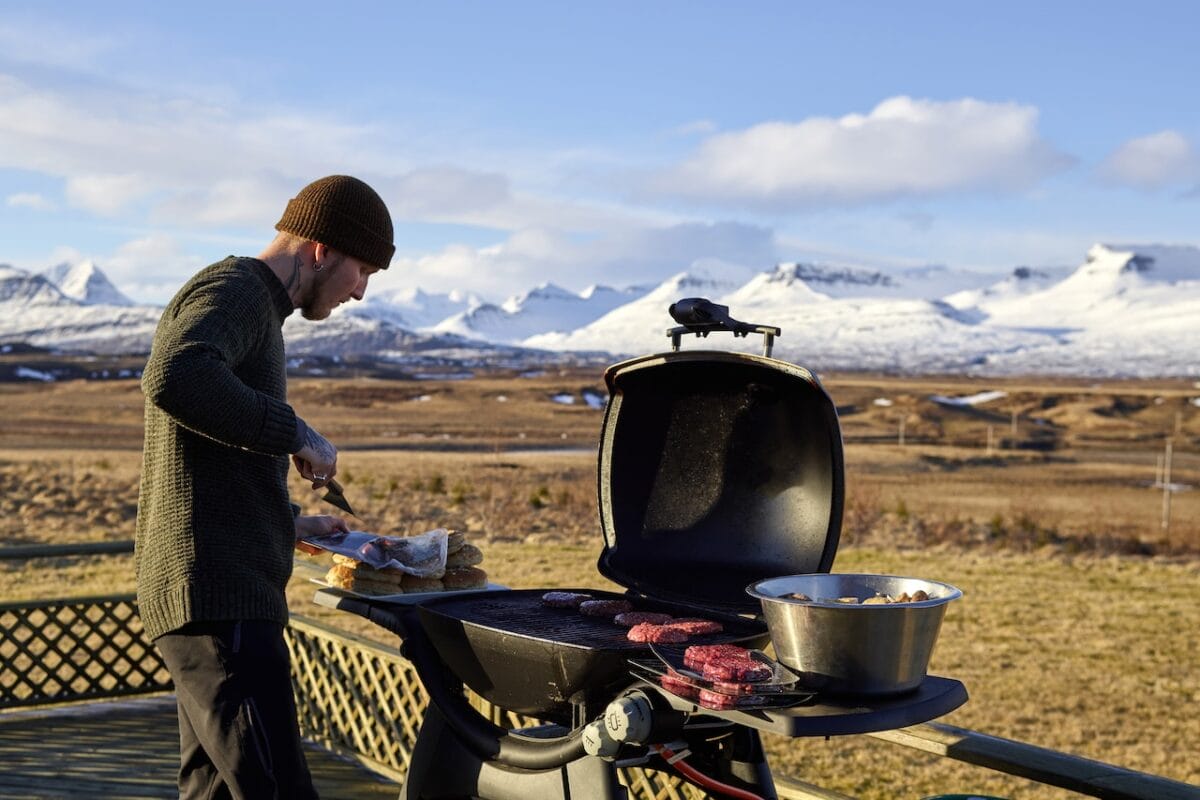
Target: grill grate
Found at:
x=521, y=613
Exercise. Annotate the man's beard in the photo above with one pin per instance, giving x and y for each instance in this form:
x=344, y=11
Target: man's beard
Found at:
x=308, y=307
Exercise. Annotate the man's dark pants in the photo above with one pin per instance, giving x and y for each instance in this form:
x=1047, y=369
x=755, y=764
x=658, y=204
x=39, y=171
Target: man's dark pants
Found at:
x=238, y=736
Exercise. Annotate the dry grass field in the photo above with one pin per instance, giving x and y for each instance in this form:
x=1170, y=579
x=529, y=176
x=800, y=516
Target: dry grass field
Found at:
x=1077, y=626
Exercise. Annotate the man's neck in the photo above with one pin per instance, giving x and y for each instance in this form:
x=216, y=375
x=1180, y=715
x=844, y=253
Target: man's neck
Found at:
x=289, y=268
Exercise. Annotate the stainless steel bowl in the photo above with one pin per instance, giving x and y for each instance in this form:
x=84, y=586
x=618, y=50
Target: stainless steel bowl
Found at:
x=853, y=648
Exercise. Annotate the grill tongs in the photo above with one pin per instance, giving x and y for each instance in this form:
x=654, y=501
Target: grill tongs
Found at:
x=701, y=316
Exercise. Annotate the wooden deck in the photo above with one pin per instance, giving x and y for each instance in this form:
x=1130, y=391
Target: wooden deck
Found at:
x=130, y=749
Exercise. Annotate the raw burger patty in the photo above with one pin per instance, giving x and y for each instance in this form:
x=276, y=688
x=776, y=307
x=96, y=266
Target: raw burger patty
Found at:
x=711, y=699
x=679, y=687
x=696, y=655
x=735, y=669
x=697, y=627
x=564, y=599
x=604, y=608
x=732, y=687
x=632, y=618
x=656, y=634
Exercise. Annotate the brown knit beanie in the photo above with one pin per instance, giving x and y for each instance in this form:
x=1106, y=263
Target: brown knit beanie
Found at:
x=343, y=213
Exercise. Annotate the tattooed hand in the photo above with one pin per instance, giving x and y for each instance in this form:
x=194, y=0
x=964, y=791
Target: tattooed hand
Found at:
x=317, y=460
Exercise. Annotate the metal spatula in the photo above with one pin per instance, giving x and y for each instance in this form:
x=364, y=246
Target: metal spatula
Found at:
x=335, y=496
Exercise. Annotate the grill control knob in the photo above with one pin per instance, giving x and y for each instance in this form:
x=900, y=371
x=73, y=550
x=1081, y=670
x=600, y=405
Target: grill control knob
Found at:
x=597, y=742
x=629, y=719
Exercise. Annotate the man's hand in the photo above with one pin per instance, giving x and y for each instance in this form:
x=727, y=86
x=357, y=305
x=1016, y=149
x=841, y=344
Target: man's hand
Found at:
x=317, y=525
x=317, y=460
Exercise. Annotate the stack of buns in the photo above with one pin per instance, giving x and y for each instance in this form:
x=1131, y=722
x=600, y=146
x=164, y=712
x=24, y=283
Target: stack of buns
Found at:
x=461, y=572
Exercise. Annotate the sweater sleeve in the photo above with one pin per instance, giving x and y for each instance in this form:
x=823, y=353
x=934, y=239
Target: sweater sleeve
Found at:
x=191, y=374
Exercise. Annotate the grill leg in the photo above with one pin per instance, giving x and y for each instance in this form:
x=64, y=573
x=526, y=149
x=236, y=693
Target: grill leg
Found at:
x=737, y=759
x=442, y=768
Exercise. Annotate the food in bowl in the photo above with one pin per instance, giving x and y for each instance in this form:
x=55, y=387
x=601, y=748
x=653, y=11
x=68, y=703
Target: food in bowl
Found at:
x=822, y=628
x=877, y=599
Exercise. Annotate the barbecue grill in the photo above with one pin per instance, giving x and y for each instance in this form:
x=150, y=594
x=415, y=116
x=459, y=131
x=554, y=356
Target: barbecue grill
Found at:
x=716, y=469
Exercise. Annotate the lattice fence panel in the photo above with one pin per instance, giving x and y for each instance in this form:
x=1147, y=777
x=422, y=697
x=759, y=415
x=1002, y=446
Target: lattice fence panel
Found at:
x=356, y=696
x=363, y=698
x=648, y=784
x=54, y=651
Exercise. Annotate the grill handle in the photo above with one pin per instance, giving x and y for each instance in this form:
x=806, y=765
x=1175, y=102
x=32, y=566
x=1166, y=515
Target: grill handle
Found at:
x=484, y=739
x=701, y=316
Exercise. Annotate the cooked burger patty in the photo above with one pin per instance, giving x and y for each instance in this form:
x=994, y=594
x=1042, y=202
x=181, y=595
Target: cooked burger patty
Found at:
x=637, y=617
x=564, y=599
x=604, y=608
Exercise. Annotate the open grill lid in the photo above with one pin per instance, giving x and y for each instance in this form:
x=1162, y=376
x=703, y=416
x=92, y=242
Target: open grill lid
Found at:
x=717, y=469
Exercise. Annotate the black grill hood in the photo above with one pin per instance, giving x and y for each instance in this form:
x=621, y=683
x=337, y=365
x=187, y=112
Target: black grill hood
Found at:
x=717, y=469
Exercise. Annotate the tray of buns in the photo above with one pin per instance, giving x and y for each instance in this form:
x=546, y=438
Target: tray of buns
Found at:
x=403, y=569
x=410, y=598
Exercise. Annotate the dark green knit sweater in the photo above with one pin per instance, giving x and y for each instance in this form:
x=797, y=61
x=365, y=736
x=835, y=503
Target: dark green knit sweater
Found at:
x=215, y=530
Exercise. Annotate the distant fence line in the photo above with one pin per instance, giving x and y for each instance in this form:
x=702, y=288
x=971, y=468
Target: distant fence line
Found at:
x=28, y=551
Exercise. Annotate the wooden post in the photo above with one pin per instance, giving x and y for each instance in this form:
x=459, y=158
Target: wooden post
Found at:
x=991, y=437
x=900, y=434
x=1166, y=507
x=1013, y=425
x=1158, y=467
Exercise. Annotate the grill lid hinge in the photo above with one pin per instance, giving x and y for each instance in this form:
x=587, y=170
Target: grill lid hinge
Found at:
x=701, y=316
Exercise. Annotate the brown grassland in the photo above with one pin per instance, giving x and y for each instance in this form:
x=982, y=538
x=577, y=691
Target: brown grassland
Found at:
x=1077, y=629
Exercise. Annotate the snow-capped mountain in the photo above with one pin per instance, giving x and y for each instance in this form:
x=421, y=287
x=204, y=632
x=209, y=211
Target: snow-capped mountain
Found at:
x=1022, y=282
x=1125, y=311
x=86, y=283
x=910, y=283
x=411, y=308
x=545, y=309
x=637, y=327
x=35, y=311
x=20, y=289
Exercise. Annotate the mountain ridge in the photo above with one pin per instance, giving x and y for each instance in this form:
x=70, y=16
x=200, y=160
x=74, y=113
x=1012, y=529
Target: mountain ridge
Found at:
x=1115, y=314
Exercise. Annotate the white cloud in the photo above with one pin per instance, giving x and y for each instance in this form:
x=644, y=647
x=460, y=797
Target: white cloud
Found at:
x=1152, y=162
x=630, y=256
x=150, y=269
x=699, y=127
x=31, y=200
x=445, y=193
x=903, y=147
x=113, y=146
x=106, y=195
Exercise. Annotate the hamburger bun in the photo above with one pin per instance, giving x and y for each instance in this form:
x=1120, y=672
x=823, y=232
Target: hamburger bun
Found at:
x=454, y=541
x=362, y=568
x=343, y=577
x=366, y=569
x=464, y=578
x=467, y=556
x=412, y=584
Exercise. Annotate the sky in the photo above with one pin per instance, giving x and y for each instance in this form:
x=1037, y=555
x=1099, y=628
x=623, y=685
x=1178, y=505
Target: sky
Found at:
x=614, y=143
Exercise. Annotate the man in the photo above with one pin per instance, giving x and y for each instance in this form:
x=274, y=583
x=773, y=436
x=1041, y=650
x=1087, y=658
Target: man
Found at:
x=215, y=527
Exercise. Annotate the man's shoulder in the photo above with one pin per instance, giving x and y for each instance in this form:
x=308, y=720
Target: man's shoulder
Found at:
x=236, y=276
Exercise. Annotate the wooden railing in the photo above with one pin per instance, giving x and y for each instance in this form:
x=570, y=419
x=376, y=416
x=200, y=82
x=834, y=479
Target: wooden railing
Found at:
x=364, y=699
